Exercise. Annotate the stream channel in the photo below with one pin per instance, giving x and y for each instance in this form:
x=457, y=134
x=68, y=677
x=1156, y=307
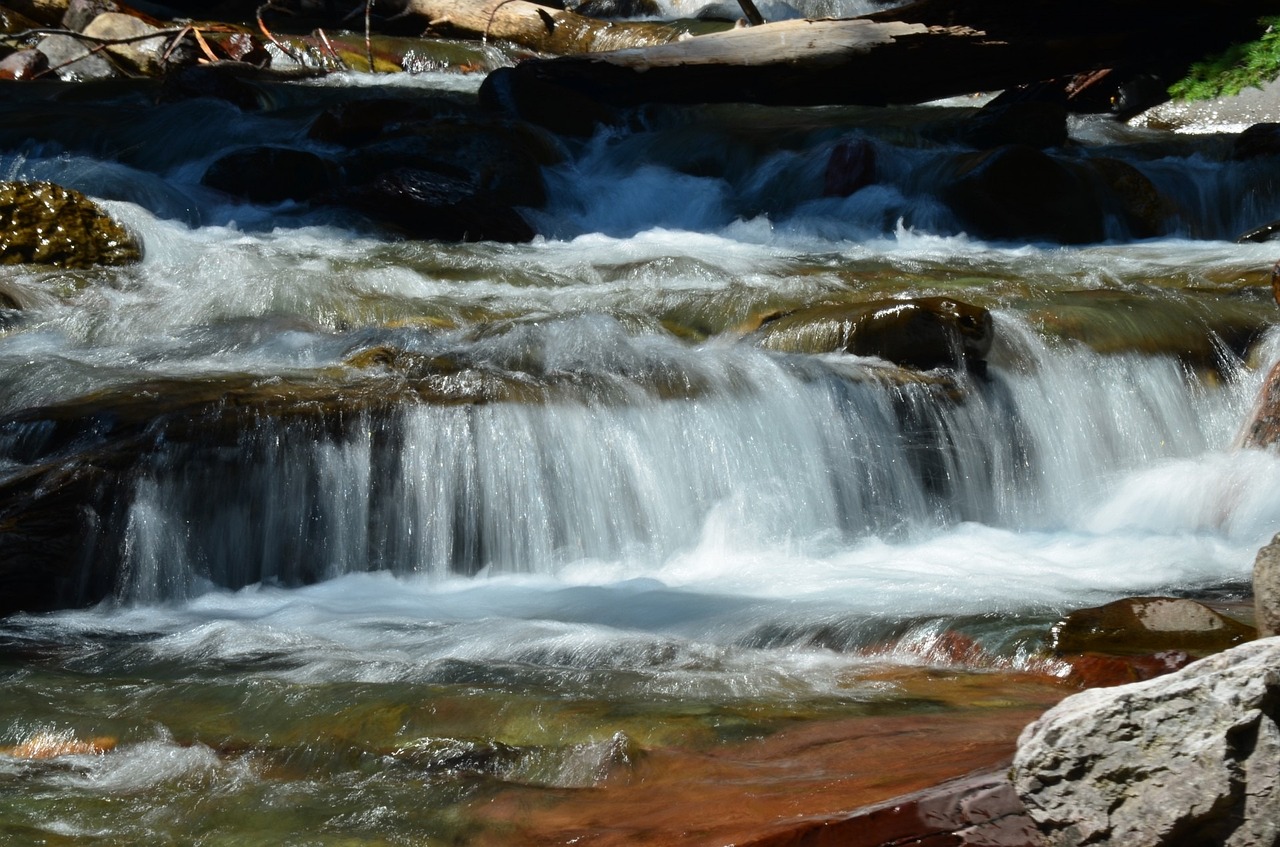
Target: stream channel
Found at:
x=490, y=526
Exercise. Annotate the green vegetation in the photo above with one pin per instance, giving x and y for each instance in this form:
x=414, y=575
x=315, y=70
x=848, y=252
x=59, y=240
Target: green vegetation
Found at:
x=1253, y=63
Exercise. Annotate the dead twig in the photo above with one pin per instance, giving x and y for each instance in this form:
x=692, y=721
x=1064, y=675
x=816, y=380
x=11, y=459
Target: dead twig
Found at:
x=262, y=25
x=368, y=40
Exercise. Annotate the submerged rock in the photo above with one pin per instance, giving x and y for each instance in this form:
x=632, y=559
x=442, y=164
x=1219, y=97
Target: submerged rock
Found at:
x=924, y=332
x=43, y=223
x=1146, y=625
x=1018, y=192
x=1190, y=758
x=426, y=205
x=23, y=65
x=271, y=174
x=1266, y=589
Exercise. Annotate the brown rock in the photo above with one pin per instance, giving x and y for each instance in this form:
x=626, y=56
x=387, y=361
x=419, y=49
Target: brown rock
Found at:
x=1266, y=589
x=23, y=65
x=43, y=223
x=1263, y=428
x=924, y=332
x=1258, y=140
x=1019, y=193
x=140, y=54
x=1146, y=212
x=1094, y=670
x=1141, y=625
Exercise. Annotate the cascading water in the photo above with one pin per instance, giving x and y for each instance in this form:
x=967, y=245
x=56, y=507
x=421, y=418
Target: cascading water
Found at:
x=390, y=532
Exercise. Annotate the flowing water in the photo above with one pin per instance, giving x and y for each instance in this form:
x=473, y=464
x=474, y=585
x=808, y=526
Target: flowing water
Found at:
x=614, y=524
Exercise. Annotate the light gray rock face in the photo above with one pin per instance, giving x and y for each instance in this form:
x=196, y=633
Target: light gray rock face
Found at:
x=1266, y=588
x=1192, y=758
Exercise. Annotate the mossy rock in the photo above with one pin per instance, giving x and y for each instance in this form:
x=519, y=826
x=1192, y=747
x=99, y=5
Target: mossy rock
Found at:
x=46, y=224
x=924, y=332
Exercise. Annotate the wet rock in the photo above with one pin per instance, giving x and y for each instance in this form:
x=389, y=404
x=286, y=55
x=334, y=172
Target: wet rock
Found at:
x=1147, y=625
x=925, y=332
x=1266, y=589
x=1258, y=140
x=1259, y=235
x=1263, y=428
x=1189, y=758
x=980, y=809
x=234, y=82
x=356, y=122
x=616, y=8
x=1033, y=123
x=74, y=60
x=852, y=166
x=1095, y=670
x=1145, y=211
x=1020, y=193
x=546, y=104
x=43, y=223
x=44, y=12
x=503, y=161
x=81, y=13
x=426, y=205
x=271, y=174
x=140, y=54
x=11, y=22
x=23, y=65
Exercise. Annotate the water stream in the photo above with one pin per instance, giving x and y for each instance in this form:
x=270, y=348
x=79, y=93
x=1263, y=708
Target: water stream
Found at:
x=606, y=520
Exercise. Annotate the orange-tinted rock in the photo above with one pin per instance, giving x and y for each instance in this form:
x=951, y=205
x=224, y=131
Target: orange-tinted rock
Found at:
x=786, y=788
x=1266, y=589
x=1139, y=625
x=1095, y=670
x=1263, y=428
x=47, y=745
x=23, y=65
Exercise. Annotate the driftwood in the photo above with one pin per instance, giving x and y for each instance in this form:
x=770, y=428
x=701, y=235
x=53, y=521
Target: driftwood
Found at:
x=912, y=54
x=538, y=27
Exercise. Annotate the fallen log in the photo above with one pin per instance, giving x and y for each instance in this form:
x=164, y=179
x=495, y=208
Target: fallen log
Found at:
x=914, y=54
x=541, y=28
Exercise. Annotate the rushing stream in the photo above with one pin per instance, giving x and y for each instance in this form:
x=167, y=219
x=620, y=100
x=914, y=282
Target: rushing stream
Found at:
x=610, y=522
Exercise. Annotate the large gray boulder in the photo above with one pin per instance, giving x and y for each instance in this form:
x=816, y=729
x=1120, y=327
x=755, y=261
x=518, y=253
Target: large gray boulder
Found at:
x=1190, y=758
x=1266, y=588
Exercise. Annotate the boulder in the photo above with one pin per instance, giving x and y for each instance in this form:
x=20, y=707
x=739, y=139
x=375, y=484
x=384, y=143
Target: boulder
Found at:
x=271, y=174
x=1187, y=759
x=74, y=60
x=141, y=54
x=1019, y=193
x=43, y=223
x=427, y=205
x=852, y=166
x=924, y=332
x=1033, y=123
x=1266, y=589
x=1139, y=625
x=1263, y=427
x=1258, y=140
x=1133, y=198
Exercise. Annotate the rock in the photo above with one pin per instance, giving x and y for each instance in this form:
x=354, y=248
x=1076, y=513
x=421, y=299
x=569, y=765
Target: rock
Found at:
x=852, y=166
x=1094, y=670
x=43, y=223
x=45, y=12
x=981, y=810
x=1132, y=197
x=546, y=104
x=1266, y=589
x=617, y=8
x=1146, y=625
x=1033, y=123
x=924, y=333
x=232, y=82
x=1261, y=139
x=81, y=13
x=1263, y=428
x=1261, y=234
x=1019, y=193
x=271, y=174
x=426, y=205
x=11, y=22
x=1187, y=759
x=140, y=54
x=356, y=122
x=23, y=65
x=74, y=60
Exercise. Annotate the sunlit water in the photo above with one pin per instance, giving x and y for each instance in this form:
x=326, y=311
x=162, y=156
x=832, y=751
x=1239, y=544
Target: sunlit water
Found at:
x=677, y=538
